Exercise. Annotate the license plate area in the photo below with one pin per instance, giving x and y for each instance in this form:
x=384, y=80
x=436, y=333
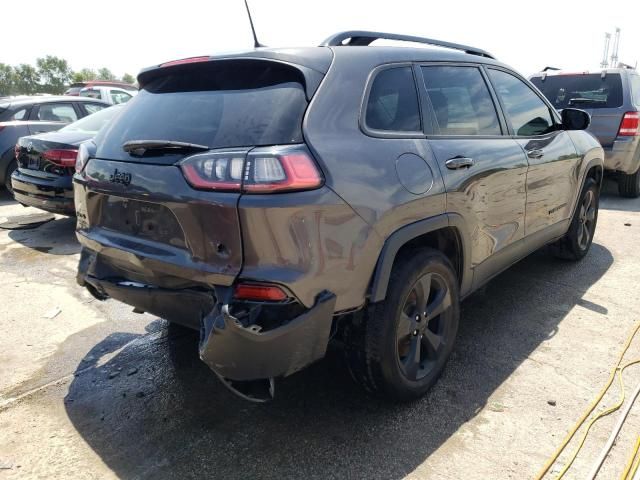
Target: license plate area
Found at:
x=148, y=220
x=33, y=163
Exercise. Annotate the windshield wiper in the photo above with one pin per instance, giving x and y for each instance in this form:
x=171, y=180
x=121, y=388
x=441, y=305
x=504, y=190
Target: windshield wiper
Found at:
x=585, y=100
x=140, y=147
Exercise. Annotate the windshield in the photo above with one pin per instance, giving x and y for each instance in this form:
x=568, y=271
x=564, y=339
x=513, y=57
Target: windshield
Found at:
x=93, y=123
x=218, y=104
x=582, y=90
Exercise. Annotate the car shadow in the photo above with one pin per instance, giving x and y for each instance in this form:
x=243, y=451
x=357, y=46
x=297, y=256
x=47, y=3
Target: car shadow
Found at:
x=56, y=237
x=163, y=414
x=6, y=198
x=610, y=199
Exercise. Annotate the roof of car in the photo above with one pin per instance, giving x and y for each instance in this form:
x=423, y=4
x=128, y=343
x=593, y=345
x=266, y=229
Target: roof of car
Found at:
x=31, y=100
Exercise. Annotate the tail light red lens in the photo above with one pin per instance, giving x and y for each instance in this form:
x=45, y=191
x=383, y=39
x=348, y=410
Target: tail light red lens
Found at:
x=62, y=157
x=259, y=292
x=630, y=125
x=215, y=171
x=262, y=170
x=281, y=172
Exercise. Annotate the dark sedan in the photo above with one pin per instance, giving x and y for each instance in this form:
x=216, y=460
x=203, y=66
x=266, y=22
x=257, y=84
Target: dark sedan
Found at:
x=20, y=116
x=46, y=163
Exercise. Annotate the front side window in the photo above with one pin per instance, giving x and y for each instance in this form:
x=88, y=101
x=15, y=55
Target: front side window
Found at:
x=461, y=101
x=57, y=112
x=526, y=111
x=393, y=102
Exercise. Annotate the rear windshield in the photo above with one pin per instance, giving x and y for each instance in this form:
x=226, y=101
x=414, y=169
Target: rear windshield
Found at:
x=582, y=91
x=217, y=104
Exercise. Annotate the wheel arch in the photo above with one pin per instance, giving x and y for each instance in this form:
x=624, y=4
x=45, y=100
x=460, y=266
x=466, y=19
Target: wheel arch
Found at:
x=446, y=233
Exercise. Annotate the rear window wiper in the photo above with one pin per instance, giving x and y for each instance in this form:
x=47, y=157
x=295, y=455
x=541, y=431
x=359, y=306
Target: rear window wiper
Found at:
x=585, y=100
x=140, y=147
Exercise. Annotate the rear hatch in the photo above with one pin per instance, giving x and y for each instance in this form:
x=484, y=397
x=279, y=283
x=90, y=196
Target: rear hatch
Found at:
x=598, y=94
x=135, y=205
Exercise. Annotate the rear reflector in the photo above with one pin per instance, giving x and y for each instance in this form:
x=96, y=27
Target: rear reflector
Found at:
x=259, y=292
x=630, y=124
x=265, y=170
x=64, y=158
x=184, y=61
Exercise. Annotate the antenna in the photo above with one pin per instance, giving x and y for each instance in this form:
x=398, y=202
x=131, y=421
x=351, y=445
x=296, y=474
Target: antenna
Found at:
x=256, y=43
x=616, y=44
x=605, y=55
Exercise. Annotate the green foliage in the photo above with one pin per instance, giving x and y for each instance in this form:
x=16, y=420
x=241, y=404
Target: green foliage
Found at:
x=128, y=78
x=50, y=75
x=85, y=75
x=105, y=74
x=55, y=74
x=26, y=79
x=6, y=80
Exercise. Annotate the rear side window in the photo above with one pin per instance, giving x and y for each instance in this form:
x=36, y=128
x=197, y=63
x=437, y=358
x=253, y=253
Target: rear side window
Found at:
x=582, y=91
x=57, y=112
x=93, y=107
x=90, y=93
x=635, y=89
x=526, y=111
x=393, y=102
x=461, y=101
x=119, y=96
x=19, y=115
x=217, y=104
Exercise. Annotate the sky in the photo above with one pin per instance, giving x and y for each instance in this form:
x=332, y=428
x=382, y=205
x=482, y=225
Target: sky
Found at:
x=126, y=36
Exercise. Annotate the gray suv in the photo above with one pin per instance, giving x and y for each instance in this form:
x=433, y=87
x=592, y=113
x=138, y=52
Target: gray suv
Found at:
x=612, y=98
x=280, y=199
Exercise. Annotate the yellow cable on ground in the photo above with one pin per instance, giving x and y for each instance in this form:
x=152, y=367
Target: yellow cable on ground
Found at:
x=632, y=460
x=588, y=412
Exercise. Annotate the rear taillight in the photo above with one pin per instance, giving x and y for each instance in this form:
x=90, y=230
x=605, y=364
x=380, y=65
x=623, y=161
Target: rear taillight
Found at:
x=259, y=292
x=62, y=157
x=264, y=170
x=630, y=124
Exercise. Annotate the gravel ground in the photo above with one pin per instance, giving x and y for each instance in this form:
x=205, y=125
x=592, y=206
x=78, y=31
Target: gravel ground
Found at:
x=90, y=389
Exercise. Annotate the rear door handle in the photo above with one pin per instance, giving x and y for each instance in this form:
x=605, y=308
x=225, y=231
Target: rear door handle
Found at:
x=456, y=163
x=535, y=153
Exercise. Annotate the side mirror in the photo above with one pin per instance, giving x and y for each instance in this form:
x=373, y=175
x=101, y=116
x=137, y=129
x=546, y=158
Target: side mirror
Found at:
x=574, y=119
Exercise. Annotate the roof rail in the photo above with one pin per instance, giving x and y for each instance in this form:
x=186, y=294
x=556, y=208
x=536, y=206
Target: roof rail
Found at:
x=364, y=38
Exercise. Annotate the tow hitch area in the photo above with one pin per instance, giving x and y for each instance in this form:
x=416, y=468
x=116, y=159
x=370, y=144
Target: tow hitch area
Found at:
x=247, y=357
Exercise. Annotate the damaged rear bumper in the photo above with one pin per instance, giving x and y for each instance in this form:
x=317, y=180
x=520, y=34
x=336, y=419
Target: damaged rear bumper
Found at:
x=236, y=349
x=239, y=352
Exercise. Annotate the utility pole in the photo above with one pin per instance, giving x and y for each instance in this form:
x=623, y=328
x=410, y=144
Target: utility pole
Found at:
x=614, y=53
x=605, y=55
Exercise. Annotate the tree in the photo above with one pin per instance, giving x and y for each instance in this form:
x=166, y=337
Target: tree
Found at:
x=85, y=75
x=128, y=78
x=54, y=72
x=105, y=74
x=6, y=79
x=26, y=79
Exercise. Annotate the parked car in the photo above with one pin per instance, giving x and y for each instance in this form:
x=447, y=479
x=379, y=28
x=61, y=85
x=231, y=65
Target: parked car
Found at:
x=46, y=163
x=112, y=95
x=612, y=98
x=20, y=116
x=281, y=198
x=74, y=88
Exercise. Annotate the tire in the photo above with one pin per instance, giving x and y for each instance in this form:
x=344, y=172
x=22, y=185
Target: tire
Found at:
x=629, y=185
x=574, y=246
x=7, y=178
x=382, y=349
